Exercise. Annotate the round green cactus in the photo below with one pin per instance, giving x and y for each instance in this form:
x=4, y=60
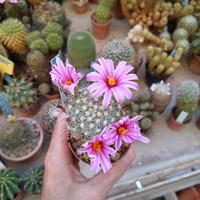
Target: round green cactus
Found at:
x=165, y=35
x=20, y=93
x=52, y=28
x=180, y=34
x=188, y=23
x=32, y=36
x=195, y=46
x=183, y=44
x=187, y=98
x=41, y=45
x=145, y=123
x=81, y=55
x=119, y=50
x=9, y=184
x=55, y=41
x=33, y=180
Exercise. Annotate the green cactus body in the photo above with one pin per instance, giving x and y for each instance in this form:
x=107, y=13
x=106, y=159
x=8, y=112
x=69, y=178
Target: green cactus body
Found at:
x=20, y=93
x=13, y=35
x=187, y=98
x=15, y=136
x=180, y=34
x=183, y=44
x=52, y=28
x=195, y=46
x=33, y=180
x=119, y=50
x=104, y=10
x=145, y=123
x=32, y=36
x=188, y=23
x=9, y=184
x=81, y=55
x=41, y=45
x=48, y=12
x=55, y=41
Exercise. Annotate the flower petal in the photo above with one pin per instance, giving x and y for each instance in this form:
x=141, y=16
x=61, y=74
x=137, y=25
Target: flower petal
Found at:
x=107, y=98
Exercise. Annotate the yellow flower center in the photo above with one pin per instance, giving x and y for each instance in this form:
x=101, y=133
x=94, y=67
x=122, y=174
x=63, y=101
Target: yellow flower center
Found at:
x=111, y=81
x=97, y=146
x=122, y=130
x=68, y=82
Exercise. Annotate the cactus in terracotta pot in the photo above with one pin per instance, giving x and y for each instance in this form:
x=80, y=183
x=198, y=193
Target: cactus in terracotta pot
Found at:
x=81, y=55
x=33, y=180
x=160, y=94
x=9, y=184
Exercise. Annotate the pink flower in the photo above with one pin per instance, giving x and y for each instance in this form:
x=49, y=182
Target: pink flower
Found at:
x=126, y=130
x=65, y=76
x=98, y=150
x=110, y=81
x=11, y=1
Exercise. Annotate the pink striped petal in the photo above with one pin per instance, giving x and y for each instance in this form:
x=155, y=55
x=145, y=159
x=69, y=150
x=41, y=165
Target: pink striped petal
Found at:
x=94, y=76
x=107, y=98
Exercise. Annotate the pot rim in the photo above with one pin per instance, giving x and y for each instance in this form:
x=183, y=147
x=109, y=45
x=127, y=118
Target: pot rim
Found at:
x=31, y=154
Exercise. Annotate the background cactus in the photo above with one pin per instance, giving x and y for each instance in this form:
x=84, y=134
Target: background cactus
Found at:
x=160, y=95
x=104, y=11
x=32, y=36
x=52, y=28
x=9, y=184
x=44, y=88
x=33, y=180
x=195, y=46
x=196, y=6
x=184, y=44
x=48, y=12
x=81, y=55
x=188, y=23
x=118, y=50
x=13, y=35
x=180, y=34
x=13, y=137
x=41, y=45
x=187, y=98
x=55, y=41
x=21, y=93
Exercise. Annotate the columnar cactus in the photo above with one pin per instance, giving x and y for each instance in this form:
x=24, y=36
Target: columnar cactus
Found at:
x=13, y=35
x=104, y=10
x=187, y=98
x=118, y=50
x=33, y=180
x=160, y=95
x=81, y=55
x=21, y=93
x=9, y=184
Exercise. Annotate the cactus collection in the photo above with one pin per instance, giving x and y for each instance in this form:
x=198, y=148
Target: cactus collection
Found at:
x=33, y=180
x=9, y=184
x=81, y=55
x=118, y=50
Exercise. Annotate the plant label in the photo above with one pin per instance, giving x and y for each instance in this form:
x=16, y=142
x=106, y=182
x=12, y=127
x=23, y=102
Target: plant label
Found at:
x=182, y=117
x=6, y=66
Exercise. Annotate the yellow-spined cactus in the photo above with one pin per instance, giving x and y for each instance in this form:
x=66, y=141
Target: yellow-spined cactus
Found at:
x=13, y=35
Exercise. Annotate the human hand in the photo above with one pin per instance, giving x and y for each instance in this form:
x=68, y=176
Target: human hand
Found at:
x=63, y=180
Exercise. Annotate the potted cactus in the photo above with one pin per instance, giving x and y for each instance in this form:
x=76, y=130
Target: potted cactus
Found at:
x=119, y=50
x=186, y=101
x=161, y=65
x=160, y=95
x=9, y=185
x=49, y=114
x=99, y=126
x=80, y=6
x=194, y=64
x=81, y=55
x=22, y=96
x=33, y=180
x=21, y=140
x=101, y=19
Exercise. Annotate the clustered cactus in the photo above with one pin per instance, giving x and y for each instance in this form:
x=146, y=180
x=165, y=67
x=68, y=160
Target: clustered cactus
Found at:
x=160, y=95
x=13, y=137
x=160, y=63
x=81, y=55
x=13, y=35
x=33, y=180
x=20, y=93
x=143, y=105
x=48, y=11
x=188, y=94
x=118, y=50
x=9, y=184
x=104, y=11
